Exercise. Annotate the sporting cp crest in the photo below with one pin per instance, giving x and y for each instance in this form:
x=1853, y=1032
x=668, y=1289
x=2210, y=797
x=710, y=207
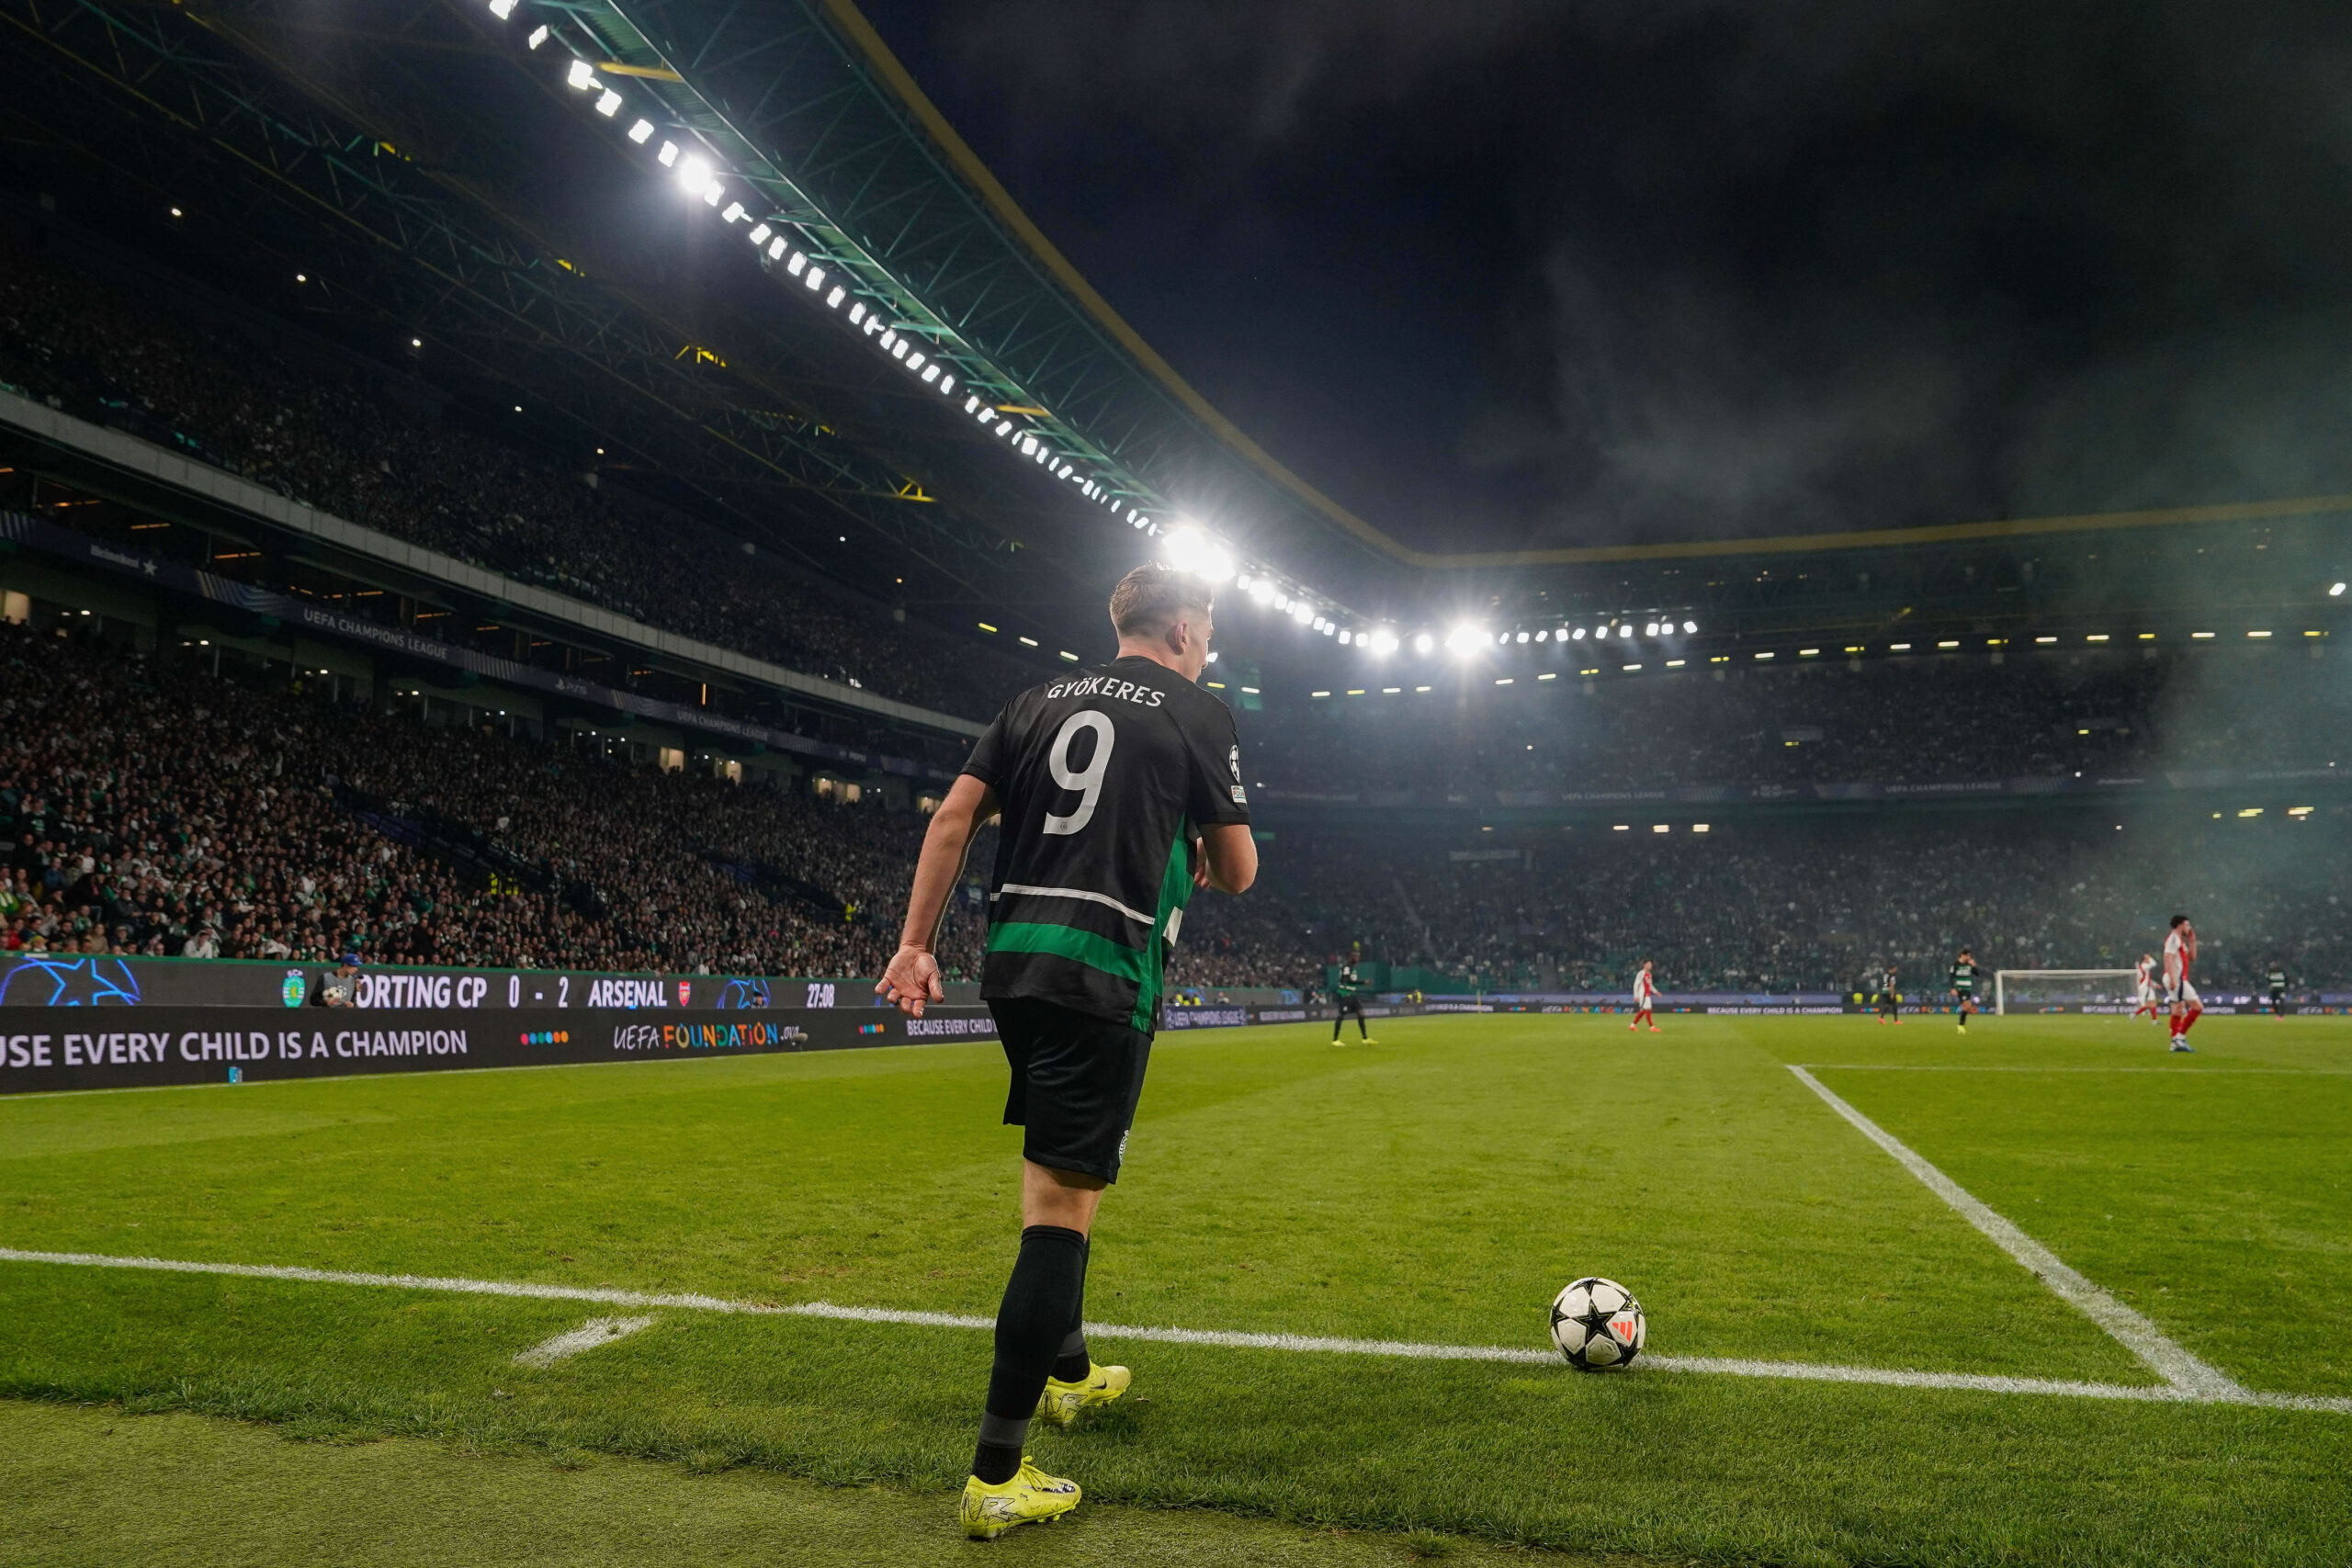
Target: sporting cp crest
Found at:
x=294, y=988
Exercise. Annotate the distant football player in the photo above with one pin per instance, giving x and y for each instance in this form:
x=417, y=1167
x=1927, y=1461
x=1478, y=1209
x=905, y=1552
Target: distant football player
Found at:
x=1347, y=997
x=1120, y=786
x=2143, y=975
x=2180, y=994
x=1890, y=997
x=2278, y=989
x=1963, y=986
x=1644, y=999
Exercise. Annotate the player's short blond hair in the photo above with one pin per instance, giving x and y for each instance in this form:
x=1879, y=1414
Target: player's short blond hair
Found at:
x=1150, y=598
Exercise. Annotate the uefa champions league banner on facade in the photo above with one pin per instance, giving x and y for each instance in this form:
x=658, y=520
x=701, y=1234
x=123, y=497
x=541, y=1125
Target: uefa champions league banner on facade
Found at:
x=80, y=1048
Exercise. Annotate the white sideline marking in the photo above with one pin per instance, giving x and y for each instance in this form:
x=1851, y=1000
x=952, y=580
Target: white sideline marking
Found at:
x=597, y=1331
x=2142, y=1337
x=2161, y=1394
x=1965, y=1067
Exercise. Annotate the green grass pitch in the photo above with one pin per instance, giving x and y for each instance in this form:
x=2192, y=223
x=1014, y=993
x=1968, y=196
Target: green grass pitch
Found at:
x=1438, y=1187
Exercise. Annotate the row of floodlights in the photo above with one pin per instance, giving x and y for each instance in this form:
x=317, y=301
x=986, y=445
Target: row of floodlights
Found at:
x=700, y=175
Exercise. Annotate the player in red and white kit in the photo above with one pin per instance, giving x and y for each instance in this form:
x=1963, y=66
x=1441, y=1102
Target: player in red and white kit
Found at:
x=1644, y=999
x=2143, y=975
x=2180, y=996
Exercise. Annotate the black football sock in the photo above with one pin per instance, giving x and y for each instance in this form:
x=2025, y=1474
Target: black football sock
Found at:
x=1030, y=1325
x=1075, y=1362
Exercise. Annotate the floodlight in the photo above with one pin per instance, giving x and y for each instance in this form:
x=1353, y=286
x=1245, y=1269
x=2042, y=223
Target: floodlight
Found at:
x=1577, y=634
x=1347, y=638
x=1648, y=630
x=914, y=361
x=2337, y=591
x=899, y=349
x=1523, y=637
x=816, y=279
x=931, y=372
x=714, y=193
x=1383, y=642
x=539, y=34
x=1262, y=591
x=1302, y=612
x=609, y=105
x=1627, y=630
x=1423, y=643
x=1465, y=638
x=889, y=335
x=582, y=75
x=776, y=248
x=736, y=212
x=694, y=173
x=1028, y=446
x=1330, y=626
x=972, y=404
x=1691, y=626
x=947, y=383
x=1544, y=635
x=668, y=155
x=760, y=233
x=640, y=131
x=501, y=9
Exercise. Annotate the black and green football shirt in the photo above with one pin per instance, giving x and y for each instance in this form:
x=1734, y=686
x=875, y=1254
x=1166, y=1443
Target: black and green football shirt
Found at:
x=1963, y=977
x=1104, y=777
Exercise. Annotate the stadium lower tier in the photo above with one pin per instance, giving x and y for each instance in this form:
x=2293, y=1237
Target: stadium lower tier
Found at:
x=150, y=805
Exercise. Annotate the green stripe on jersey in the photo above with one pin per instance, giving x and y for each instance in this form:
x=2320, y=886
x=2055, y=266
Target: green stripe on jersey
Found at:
x=1175, y=892
x=1078, y=946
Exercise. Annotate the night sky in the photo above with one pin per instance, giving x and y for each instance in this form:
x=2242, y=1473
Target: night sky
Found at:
x=1494, y=272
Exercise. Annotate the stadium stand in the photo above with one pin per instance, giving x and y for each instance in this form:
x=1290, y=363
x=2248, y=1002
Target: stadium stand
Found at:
x=150, y=807
x=338, y=442
x=1816, y=906
x=1916, y=720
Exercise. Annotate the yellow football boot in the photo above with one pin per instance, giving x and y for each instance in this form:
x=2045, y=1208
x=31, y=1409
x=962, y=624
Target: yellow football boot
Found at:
x=1061, y=1401
x=1030, y=1497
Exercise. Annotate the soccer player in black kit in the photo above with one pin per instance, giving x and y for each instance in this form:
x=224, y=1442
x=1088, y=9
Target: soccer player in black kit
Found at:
x=1347, y=997
x=1120, y=786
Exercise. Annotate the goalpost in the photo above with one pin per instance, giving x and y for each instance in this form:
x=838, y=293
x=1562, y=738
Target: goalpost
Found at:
x=2128, y=980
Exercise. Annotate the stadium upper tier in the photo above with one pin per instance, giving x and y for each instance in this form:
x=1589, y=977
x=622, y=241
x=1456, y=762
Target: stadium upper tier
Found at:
x=317, y=429
x=149, y=805
x=2057, y=715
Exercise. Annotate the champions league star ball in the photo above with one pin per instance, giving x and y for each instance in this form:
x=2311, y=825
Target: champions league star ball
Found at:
x=1599, y=1326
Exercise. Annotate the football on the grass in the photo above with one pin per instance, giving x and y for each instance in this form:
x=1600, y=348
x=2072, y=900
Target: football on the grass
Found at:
x=1599, y=1326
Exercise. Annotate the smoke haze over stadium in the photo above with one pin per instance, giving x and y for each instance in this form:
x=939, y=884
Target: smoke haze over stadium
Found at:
x=1496, y=273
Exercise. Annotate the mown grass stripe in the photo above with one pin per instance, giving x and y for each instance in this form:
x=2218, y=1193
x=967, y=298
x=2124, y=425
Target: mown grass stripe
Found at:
x=1802, y=1371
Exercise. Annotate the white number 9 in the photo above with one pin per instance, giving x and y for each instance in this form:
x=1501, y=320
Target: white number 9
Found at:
x=1087, y=784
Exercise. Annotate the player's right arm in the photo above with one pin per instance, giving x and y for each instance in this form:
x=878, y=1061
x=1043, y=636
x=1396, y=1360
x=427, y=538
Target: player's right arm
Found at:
x=912, y=977
x=1230, y=855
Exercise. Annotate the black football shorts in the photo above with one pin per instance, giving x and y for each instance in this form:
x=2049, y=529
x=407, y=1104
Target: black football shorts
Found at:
x=1076, y=1082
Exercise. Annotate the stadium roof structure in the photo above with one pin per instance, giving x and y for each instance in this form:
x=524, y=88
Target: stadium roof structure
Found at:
x=491, y=187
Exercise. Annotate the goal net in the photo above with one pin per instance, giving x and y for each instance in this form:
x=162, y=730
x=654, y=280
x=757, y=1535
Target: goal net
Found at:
x=2032, y=986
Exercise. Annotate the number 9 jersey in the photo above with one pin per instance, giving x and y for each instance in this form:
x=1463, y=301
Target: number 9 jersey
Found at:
x=1104, y=777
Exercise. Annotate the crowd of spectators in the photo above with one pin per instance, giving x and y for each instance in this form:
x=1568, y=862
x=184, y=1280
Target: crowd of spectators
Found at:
x=321, y=432
x=1902, y=721
x=149, y=805
x=1821, y=906
x=152, y=807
